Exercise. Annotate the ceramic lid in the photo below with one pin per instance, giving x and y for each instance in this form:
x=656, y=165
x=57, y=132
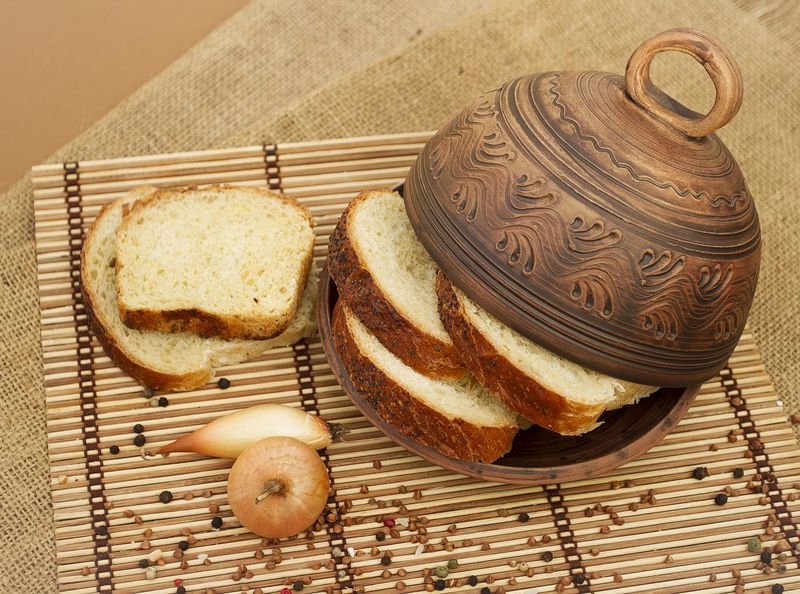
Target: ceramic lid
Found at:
x=599, y=217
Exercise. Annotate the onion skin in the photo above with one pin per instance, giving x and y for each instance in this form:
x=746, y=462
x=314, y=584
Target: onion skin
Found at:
x=292, y=507
x=229, y=435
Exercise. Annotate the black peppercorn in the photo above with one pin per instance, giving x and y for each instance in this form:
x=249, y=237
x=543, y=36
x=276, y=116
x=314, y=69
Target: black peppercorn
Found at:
x=547, y=556
x=223, y=383
x=180, y=590
x=297, y=586
x=380, y=536
x=439, y=584
x=738, y=473
x=163, y=401
x=143, y=563
x=138, y=428
x=139, y=440
x=183, y=545
x=766, y=557
x=777, y=589
x=165, y=496
x=114, y=449
x=700, y=473
x=102, y=530
x=486, y=590
x=472, y=581
x=216, y=522
x=523, y=517
x=579, y=579
x=721, y=499
x=386, y=560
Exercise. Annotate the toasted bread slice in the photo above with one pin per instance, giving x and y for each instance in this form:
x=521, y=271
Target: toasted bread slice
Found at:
x=224, y=261
x=455, y=417
x=387, y=279
x=537, y=384
x=180, y=361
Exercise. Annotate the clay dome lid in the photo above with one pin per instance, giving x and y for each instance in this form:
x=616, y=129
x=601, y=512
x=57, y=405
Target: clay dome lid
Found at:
x=599, y=217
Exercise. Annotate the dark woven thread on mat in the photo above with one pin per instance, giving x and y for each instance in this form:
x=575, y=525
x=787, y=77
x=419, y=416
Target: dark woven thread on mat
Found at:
x=88, y=396
x=567, y=539
x=272, y=170
x=760, y=457
x=308, y=397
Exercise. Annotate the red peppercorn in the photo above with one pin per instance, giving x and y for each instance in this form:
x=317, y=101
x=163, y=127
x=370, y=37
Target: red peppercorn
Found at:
x=286, y=591
x=177, y=582
x=389, y=522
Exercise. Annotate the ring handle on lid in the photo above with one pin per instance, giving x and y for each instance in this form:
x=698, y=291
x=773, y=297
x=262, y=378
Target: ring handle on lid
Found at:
x=719, y=64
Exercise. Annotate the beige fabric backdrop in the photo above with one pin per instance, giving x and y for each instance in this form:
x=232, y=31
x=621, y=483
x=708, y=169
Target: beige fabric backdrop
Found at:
x=266, y=74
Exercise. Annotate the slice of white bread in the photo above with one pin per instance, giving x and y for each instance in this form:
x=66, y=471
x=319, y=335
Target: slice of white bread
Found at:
x=223, y=261
x=537, y=384
x=387, y=280
x=179, y=361
x=458, y=418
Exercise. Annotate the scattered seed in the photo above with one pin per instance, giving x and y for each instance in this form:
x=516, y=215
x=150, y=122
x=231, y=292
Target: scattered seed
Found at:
x=165, y=496
x=777, y=588
x=579, y=579
x=223, y=383
x=162, y=402
x=139, y=440
x=700, y=473
x=386, y=560
x=766, y=557
x=472, y=581
x=183, y=545
x=297, y=586
x=114, y=450
x=441, y=571
x=523, y=517
x=754, y=545
x=721, y=499
x=144, y=563
x=452, y=564
x=486, y=590
x=389, y=522
x=149, y=392
x=547, y=556
x=216, y=522
x=439, y=585
x=150, y=574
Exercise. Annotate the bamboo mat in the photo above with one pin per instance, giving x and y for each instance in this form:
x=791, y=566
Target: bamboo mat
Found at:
x=651, y=527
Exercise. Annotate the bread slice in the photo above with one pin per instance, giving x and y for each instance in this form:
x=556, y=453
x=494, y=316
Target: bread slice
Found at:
x=387, y=279
x=455, y=417
x=180, y=361
x=223, y=261
x=537, y=384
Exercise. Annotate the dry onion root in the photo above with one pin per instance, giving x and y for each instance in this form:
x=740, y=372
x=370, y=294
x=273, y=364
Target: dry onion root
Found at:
x=230, y=435
x=278, y=487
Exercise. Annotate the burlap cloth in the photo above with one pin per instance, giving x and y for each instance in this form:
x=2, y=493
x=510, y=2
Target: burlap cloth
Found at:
x=291, y=71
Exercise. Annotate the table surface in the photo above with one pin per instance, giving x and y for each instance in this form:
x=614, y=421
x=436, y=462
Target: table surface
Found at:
x=119, y=46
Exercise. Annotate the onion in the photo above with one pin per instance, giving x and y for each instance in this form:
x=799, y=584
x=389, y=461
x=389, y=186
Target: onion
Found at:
x=228, y=436
x=278, y=487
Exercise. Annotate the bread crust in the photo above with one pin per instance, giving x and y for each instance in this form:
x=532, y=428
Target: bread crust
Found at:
x=356, y=285
x=205, y=323
x=452, y=437
x=521, y=393
x=144, y=375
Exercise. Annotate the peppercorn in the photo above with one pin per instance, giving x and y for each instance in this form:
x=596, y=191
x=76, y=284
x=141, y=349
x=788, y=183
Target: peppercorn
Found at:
x=738, y=473
x=523, y=517
x=547, y=556
x=138, y=428
x=389, y=522
x=183, y=545
x=216, y=522
x=223, y=383
x=114, y=449
x=700, y=473
x=441, y=571
x=439, y=584
x=139, y=440
x=143, y=563
x=452, y=564
x=380, y=536
x=486, y=590
x=472, y=581
x=149, y=392
x=754, y=545
x=180, y=590
x=102, y=530
x=579, y=579
x=777, y=589
x=165, y=496
x=721, y=499
x=163, y=401
x=286, y=591
x=298, y=585
x=766, y=557
x=386, y=560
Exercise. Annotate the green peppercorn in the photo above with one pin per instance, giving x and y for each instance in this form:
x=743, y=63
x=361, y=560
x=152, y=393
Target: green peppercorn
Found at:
x=754, y=545
x=441, y=571
x=452, y=564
